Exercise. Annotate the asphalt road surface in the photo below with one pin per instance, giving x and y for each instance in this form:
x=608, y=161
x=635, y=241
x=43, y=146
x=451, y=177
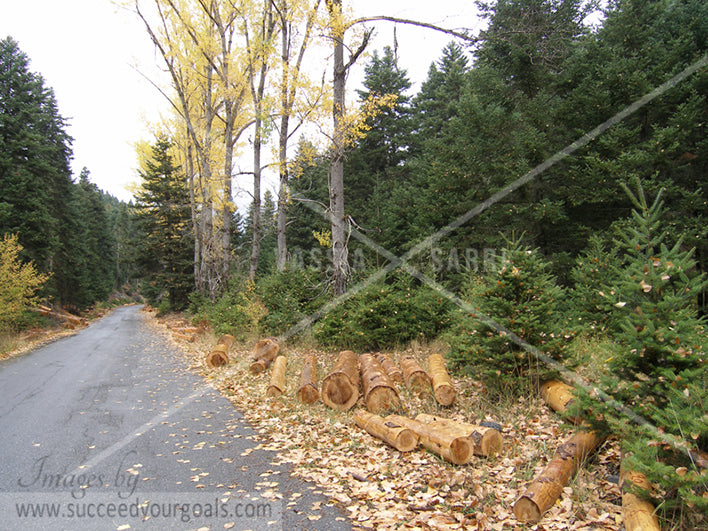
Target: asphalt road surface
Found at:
x=108, y=429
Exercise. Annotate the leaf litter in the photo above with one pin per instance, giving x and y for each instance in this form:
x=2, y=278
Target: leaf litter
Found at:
x=382, y=488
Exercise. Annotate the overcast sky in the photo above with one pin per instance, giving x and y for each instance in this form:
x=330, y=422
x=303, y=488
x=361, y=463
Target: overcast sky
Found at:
x=95, y=57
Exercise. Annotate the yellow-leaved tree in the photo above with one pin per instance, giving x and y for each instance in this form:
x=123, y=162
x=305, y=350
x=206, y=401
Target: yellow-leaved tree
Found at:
x=18, y=282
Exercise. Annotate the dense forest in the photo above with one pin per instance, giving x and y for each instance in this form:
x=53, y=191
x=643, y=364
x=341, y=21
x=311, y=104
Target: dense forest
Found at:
x=546, y=185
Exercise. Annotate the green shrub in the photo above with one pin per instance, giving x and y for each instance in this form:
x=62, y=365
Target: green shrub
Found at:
x=288, y=297
x=521, y=297
x=385, y=315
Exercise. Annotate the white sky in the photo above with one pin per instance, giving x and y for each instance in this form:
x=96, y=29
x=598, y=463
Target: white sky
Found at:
x=87, y=52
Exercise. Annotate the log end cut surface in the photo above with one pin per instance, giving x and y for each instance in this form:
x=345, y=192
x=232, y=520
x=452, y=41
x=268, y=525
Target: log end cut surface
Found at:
x=526, y=510
x=308, y=394
x=445, y=395
x=217, y=358
x=338, y=392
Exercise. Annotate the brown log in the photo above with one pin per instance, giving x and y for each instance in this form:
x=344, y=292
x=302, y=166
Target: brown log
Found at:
x=340, y=388
x=264, y=352
x=638, y=514
x=487, y=441
x=443, y=390
x=216, y=358
x=416, y=378
x=394, y=373
x=448, y=444
x=219, y=355
x=307, y=392
x=543, y=492
x=184, y=337
x=379, y=394
x=277, y=377
x=558, y=395
x=396, y=435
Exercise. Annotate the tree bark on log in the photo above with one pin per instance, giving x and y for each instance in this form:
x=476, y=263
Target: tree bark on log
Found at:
x=219, y=355
x=638, y=514
x=264, y=352
x=307, y=392
x=379, y=394
x=277, y=377
x=401, y=438
x=548, y=486
x=394, y=373
x=487, y=441
x=448, y=444
x=417, y=380
x=443, y=390
x=558, y=395
x=340, y=388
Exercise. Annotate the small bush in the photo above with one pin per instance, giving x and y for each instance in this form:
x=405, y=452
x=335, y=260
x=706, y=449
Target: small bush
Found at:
x=521, y=297
x=385, y=315
x=18, y=282
x=288, y=297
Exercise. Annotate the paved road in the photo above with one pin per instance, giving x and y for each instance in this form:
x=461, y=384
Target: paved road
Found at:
x=107, y=428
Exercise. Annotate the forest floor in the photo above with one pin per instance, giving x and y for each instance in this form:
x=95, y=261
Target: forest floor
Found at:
x=382, y=488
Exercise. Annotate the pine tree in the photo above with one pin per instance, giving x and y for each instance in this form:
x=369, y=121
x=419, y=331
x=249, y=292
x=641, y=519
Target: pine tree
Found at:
x=162, y=210
x=35, y=175
x=522, y=297
x=660, y=371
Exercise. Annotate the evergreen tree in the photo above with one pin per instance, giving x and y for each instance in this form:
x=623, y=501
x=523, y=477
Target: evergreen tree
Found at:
x=166, y=252
x=660, y=370
x=35, y=176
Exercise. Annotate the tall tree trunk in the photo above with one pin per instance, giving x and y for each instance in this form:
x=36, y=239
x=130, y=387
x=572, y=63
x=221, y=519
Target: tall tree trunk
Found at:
x=256, y=214
x=340, y=262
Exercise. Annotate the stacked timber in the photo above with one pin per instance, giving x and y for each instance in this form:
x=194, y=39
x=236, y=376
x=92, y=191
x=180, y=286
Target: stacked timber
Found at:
x=447, y=443
x=379, y=393
x=394, y=373
x=70, y=321
x=548, y=486
x=264, y=352
x=417, y=380
x=390, y=432
x=219, y=355
x=340, y=388
x=277, y=377
x=443, y=390
x=486, y=441
x=307, y=392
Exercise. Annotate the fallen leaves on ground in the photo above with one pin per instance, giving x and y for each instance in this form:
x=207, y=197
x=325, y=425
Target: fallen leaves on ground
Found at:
x=381, y=488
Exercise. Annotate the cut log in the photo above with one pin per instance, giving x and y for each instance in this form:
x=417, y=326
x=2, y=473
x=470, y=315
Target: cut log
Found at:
x=558, y=395
x=394, y=373
x=443, y=390
x=396, y=435
x=264, y=352
x=548, y=486
x=184, y=337
x=219, y=355
x=379, y=394
x=638, y=514
x=448, y=444
x=277, y=377
x=487, y=441
x=307, y=392
x=340, y=388
x=417, y=380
